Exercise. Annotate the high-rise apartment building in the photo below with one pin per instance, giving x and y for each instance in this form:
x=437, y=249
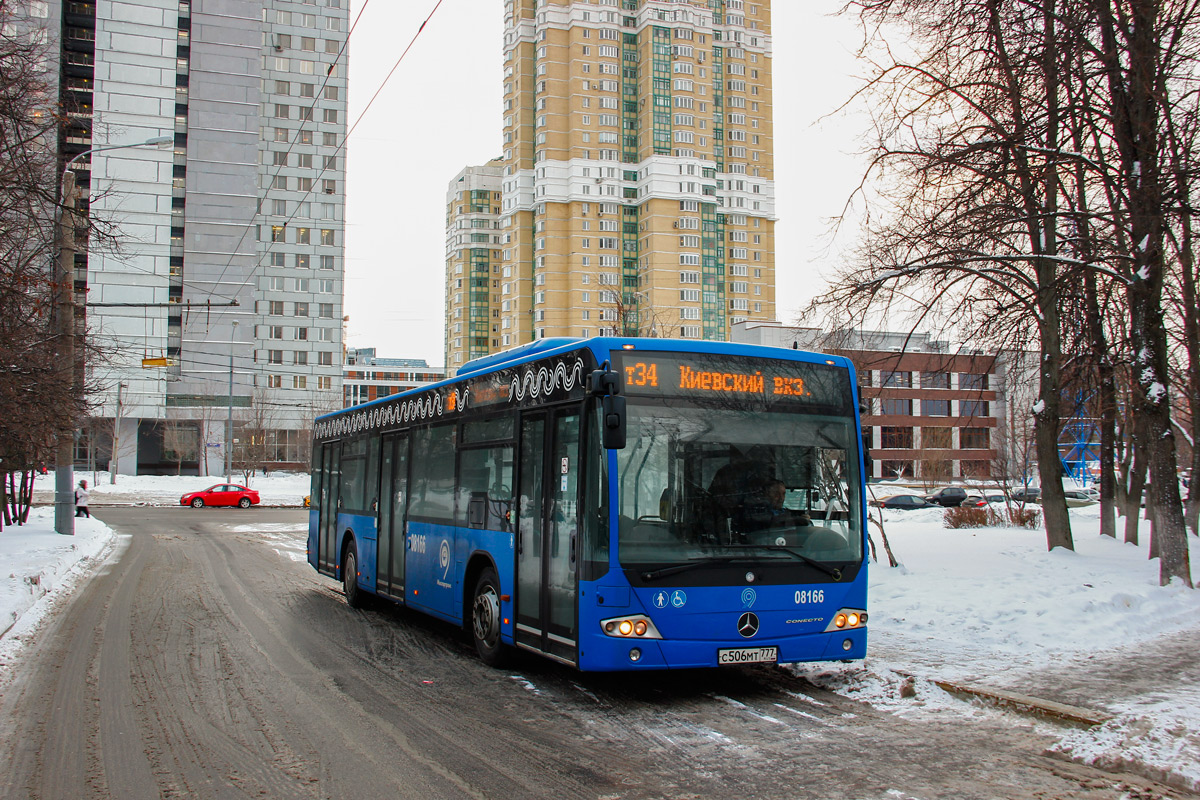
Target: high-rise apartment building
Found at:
x=638, y=187
x=231, y=256
x=474, y=244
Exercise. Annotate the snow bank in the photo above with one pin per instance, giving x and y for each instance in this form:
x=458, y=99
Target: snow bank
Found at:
x=990, y=607
x=38, y=565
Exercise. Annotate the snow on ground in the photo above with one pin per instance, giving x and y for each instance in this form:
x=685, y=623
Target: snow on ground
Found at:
x=275, y=489
x=990, y=607
x=987, y=607
x=38, y=567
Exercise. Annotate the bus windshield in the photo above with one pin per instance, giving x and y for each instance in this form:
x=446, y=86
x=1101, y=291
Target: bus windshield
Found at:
x=704, y=486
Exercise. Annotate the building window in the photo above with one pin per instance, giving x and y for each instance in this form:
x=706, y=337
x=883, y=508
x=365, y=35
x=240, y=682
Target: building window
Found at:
x=935, y=380
x=895, y=438
x=274, y=356
x=973, y=408
x=894, y=407
x=325, y=310
x=301, y=309
x=901, y=380
x=937, y=438
x=969, y=380
x=973, y=438
x=934, y=408
x=896, y=469
x=303, y=236
x=976, y=469
x=327, y=236
x=274, y=381
x=325, y=359
x=275, y=308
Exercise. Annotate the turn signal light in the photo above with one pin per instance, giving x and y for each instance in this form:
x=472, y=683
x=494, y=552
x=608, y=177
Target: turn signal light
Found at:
x=637, y=626
x=846, y=619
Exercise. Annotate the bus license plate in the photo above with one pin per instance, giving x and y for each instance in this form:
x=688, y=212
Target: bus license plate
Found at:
x=748, y=655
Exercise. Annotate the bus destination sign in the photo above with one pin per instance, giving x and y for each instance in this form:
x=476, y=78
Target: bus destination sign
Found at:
x=698, y=376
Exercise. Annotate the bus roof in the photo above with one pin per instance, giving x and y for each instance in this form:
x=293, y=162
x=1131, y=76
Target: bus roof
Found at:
x=601, y=346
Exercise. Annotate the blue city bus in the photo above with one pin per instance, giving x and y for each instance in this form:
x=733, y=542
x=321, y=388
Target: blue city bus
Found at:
x=609, y=503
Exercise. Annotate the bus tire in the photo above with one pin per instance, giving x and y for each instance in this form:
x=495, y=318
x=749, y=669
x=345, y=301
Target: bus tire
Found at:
x=485, y=619
x=354, y=596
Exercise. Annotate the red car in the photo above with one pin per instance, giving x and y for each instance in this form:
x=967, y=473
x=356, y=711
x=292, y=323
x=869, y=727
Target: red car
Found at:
x=223, y=494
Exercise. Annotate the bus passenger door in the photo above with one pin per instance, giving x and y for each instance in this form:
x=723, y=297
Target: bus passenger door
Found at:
x=547, y=567
x=331, y=467
x=393, y=501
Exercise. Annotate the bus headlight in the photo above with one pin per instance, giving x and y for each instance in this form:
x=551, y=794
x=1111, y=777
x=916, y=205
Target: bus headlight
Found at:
x=636, y=626
x=846, y=619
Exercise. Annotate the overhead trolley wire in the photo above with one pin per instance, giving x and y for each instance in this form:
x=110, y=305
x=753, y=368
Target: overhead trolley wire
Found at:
x=340, y=147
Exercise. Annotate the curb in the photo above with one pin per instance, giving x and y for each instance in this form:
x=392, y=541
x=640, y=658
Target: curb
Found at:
x=1049, y=709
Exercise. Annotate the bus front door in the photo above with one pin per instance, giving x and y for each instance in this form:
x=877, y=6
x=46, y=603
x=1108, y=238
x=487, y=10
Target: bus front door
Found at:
x=547, y=574
x=331, y=468
x=392, y=505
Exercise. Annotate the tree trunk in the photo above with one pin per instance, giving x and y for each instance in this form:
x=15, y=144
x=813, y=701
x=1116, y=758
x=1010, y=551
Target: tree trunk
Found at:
x=1133, y=496
x=1050, y=471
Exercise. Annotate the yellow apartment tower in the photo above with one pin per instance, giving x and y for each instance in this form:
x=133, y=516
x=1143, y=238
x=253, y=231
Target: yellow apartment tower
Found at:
x=637, y=179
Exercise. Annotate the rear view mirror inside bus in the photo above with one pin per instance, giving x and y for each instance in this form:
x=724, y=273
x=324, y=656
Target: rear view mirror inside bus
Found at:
x=613, y=408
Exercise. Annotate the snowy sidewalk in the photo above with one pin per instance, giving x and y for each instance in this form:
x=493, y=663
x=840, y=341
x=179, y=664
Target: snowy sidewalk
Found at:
x=37, y=565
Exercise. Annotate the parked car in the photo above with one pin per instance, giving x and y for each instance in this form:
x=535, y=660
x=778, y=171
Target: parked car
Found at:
x=948, y=496
x=1026, y=494
x=973, y=500
x=902, y=502
x=1078, y=497
x=223, y=494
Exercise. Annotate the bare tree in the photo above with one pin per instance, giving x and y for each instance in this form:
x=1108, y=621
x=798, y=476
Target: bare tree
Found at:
x=37, y=397
x=250, y=452
x=963, y=225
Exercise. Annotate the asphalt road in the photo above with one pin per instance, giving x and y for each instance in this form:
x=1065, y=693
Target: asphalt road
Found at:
x=208, y=660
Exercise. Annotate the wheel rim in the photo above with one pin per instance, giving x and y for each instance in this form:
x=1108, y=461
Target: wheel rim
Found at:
x=197, y=503
x=487, y=616
x=349, y=578
x=244, y=502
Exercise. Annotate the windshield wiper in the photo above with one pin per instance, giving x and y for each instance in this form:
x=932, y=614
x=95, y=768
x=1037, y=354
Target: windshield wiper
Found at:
x=655, y=574
x=833, y=572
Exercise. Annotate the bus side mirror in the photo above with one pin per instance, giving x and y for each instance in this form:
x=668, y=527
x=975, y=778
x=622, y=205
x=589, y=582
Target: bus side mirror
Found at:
x=613, y=417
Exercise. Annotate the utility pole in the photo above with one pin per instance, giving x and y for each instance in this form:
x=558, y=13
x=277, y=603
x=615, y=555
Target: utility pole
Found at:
x=64, y=469
x=116, y=438
x=229, y=419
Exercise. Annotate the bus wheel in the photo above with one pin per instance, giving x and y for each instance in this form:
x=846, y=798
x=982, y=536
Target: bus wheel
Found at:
x=354, y=597
x=485, y=618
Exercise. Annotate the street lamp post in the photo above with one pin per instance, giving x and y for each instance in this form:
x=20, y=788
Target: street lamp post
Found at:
x=229, y=419
x=64, y=469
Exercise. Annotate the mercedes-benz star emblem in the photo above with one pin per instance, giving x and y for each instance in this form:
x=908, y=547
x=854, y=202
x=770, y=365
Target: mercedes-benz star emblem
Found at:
x=748, y=624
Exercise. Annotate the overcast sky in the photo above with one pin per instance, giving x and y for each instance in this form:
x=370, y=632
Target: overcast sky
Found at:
x=399, y=165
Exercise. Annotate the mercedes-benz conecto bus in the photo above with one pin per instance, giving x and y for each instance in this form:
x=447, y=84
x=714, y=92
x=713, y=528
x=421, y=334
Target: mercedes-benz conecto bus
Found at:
x=613, y=504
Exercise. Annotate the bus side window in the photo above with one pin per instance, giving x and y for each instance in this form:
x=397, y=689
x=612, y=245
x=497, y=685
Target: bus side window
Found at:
x=485, y=487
